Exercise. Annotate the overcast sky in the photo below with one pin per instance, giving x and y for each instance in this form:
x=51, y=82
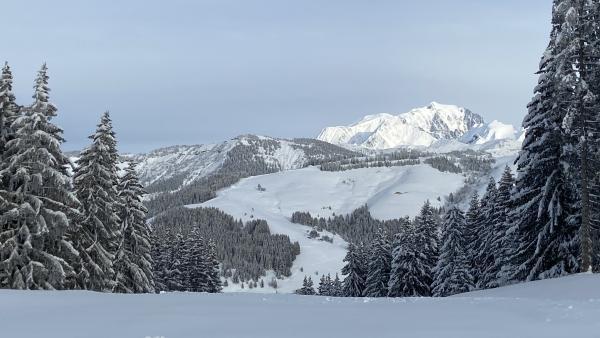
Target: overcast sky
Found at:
x=186, y=72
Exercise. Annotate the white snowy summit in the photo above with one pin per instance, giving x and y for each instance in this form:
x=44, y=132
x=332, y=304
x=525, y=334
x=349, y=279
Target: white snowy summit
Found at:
x=418, y=127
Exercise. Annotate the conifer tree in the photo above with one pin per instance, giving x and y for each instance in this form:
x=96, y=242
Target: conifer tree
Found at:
x=484, y=257
x=175, y=273
x=547, y=234
x=410, y=273
x=379, y=266
x=133, y=264
x=212, y=269
x=95, y=182
x=337, y=287
x=307, y=287
x=427, y=236
x=579, y=93
x=37, y=204
x=474, y=229
x=501, y=240
x=8, y=108
x=354, y=270
x=160, y=262
x=451, y=274
x=194, y=262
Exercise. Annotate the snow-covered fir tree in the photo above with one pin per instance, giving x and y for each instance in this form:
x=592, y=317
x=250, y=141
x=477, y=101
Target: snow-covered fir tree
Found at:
x=427, y=235
x=194, y=267
x=378, y=266
x=37, y=203
x=355, y=272
x=133, y=261
x=484, y=257
x=451, y=274
x=212, y=269
x=160, y=262
x=337, y=287
x=95, y=181
x=325, y=287
x=474, y=229
x=542, y=217
x=8, y=108
x=175, y=278
x=410, y=274
x=579, y=90
x=307, y=288
x=501, y=242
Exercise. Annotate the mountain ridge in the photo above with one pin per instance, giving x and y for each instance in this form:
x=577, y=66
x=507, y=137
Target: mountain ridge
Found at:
x=419, y=127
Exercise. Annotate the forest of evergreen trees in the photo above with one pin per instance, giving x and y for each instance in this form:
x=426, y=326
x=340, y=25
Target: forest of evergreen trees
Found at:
x=77, y=225
x=246, y=251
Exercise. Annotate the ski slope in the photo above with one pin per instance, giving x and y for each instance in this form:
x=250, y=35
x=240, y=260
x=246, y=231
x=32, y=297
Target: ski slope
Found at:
x=389, y=192
x=566, y=307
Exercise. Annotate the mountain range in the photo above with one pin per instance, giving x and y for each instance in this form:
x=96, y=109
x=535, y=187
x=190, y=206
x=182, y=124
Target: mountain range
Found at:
x=420, y=127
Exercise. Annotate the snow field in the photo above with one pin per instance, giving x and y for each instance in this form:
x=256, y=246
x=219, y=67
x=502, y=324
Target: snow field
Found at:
x=566, y=307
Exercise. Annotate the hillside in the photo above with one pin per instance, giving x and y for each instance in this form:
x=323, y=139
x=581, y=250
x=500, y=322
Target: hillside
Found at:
x=389, y=192
x=566, y=307
x=171, y=168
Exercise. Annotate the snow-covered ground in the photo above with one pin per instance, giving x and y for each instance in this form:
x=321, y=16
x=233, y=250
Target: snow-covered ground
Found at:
x=389, y=192
x=567, y=307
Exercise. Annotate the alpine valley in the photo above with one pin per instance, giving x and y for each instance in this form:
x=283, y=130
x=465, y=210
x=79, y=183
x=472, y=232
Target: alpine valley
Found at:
x=258, y=195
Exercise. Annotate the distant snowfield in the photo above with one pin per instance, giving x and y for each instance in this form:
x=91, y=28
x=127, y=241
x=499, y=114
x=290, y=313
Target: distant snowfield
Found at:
x=389, y=192
x=566, y=307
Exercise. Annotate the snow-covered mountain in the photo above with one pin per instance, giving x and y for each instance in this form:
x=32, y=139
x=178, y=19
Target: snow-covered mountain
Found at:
x=419, y=127
x=246, y=155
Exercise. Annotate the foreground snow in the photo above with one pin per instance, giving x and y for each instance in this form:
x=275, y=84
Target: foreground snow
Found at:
x=567, y=307
x=389, y=192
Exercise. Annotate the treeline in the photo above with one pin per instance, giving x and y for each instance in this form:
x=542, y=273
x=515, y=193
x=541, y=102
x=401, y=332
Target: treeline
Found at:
x=454, y=162
x=246, y=251
x=401, y=157
x=358, y=226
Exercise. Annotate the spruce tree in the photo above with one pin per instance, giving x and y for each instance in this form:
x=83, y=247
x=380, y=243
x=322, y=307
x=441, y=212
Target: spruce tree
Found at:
x=37, y=203
x=451, y=274
x=212, y=269
x=307, y=288
x=8, y=108
x=337, y=288
x=175, y=273
x=474, y=229
x=410, y=273
x=484, y=256
x=541, y=218
x=133, y=264
x=95, y=182
x=427, y=237
x=579, y=89
x=379, y=266
x=354, y=270
x=194, y=267
x=502, y=239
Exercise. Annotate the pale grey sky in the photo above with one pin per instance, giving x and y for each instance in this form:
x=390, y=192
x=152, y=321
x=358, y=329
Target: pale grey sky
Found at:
x=181, y=72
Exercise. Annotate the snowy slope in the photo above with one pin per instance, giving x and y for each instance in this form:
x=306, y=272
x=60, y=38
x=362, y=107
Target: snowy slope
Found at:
x=185, y=164
x=419, y=127
x=566, y=307
x=389, y=192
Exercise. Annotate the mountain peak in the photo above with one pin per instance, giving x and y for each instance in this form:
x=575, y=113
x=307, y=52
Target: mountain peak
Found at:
x=417, y=127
